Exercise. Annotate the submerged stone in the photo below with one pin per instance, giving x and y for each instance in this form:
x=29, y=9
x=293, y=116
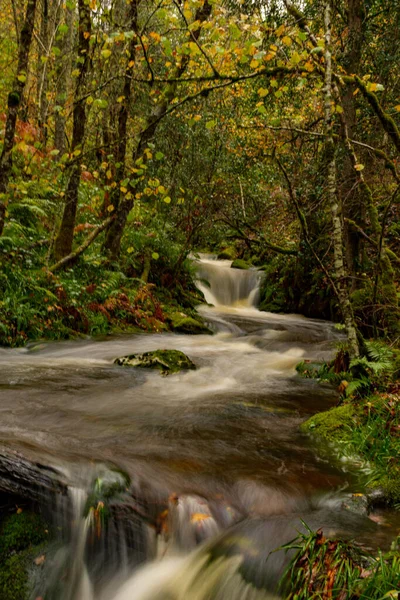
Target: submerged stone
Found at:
x=166, y=361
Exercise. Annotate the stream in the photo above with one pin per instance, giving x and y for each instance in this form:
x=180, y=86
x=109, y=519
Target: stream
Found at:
x=220, y=474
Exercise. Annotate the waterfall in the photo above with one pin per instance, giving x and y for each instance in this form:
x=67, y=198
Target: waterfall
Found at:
x=224, y=286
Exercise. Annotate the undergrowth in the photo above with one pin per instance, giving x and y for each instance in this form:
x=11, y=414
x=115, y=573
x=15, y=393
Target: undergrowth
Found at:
x=366, y=424
x=326, y=569
x=90, y=298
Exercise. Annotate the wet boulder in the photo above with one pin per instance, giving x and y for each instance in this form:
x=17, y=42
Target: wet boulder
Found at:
x=166, y=361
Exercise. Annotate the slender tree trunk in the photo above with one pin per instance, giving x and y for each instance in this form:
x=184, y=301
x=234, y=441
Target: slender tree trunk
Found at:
x=64, y=45
x=14, y=101
x=352, y=200
x=116, y=229
x=64, y=240
x=340, y=274
x=42, y=79
x=112, y=243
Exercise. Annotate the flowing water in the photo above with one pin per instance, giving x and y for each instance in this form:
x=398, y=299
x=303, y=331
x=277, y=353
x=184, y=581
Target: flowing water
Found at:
x=219, y=472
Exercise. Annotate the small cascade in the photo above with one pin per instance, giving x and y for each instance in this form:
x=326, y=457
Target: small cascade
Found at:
x=224, y=286
x=96, y=543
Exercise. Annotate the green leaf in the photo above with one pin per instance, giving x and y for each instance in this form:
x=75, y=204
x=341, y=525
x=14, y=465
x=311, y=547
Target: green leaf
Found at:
x=63, y=29
x=167, y=200
x=211, y=124
x=155, y=255
x=159, y=155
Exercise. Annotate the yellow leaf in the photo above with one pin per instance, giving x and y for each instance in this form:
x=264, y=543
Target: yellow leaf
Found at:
x=287, y=40
x=123, y=189
x=197, y=517
x=397, y=108
x=359, y=167
x=106, y=53
x=86, y=35
x=130, y=250
x=19, y=511
x=108, y=174
x=280, y=30
x=120, y=99
x=262, y=92
x=254, y=64
x=110, y=208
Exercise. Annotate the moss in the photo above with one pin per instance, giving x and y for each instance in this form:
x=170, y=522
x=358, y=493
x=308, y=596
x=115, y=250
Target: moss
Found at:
x=14, y=578
x=166, y=361
x=20, y=536
x=228, y=253
x=389, y=483
x=190, y=326
x=333, y=425
x=238, y=263
x=21, y=531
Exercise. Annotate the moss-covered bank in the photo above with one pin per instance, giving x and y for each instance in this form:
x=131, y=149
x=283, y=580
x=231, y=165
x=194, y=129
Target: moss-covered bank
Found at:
x=368, y=429
x=22, y=538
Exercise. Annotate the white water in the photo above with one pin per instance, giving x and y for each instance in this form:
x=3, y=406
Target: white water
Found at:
x=224, y=286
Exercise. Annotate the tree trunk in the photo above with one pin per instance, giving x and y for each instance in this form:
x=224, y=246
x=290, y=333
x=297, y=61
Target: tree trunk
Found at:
x=352, y=200
x=112, y=243
x=65, y=237
x=114, y=234
x=340, y=275
x=14, y=101
x=42, y=79
x=63, y=69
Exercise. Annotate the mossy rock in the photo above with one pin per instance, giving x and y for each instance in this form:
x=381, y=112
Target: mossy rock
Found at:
x=190, y=326
x=227, y=254
x=239, y=263
x=166, y=361
x=389, y=485
x=334, y=425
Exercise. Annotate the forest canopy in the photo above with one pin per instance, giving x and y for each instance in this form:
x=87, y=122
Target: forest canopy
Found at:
x=134, y=133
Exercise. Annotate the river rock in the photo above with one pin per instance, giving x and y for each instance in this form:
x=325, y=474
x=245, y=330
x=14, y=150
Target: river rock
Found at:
x=166, y=361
